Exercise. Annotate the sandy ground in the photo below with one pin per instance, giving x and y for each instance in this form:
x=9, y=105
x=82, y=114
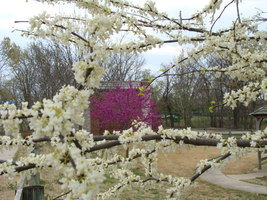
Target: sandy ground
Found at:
x=183, y=162
x=7, y=187
x=179, y=163
x=7, y=153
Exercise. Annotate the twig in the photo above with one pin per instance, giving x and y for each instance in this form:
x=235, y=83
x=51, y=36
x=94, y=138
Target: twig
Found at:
x=61, y=27
x=237, y=11
x=194, y=177
x=220, y=15
x=171, y=67
x=62, y=195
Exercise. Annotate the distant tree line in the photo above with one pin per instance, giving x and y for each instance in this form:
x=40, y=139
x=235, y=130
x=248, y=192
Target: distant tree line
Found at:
x=183, y=94
x=42, y=68
x=188, y=92
x=36, y=72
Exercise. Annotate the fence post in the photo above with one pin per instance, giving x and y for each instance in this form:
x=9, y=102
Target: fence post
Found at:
x=35, y=179
x=34, y=191
x=259, y=159
x=258, y=127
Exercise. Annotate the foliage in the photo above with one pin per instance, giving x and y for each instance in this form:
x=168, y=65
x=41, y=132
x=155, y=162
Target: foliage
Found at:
x=121, y=106
x=58, y=120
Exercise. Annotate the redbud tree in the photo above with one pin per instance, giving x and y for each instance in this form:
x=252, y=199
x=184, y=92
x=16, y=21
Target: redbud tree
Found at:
x=117, y=108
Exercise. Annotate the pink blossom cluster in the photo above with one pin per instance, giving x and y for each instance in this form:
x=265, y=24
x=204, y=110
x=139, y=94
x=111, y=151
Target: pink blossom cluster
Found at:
x=119, y=107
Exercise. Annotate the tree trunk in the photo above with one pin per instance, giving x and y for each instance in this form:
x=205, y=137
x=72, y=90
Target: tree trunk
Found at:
x=245, y=122
x=187, y=120
x=220, y=117
x=213, y=121
x=171, y=116
x=236, y=117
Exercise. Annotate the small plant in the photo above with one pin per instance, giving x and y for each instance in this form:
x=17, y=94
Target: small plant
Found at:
x=138, y=171
x=11, y=186
x=42, y=182
x=47, y=197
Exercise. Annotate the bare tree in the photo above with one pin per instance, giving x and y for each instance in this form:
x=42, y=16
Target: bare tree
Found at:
x=38, y=71
x=4, y=93
x=54, y=66
x=187, y=86
x=167, y=99
x=124, y=67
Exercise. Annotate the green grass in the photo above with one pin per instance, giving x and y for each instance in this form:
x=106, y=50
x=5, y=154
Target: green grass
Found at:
x=109, y=179
x=138, y=171
x=42, y=182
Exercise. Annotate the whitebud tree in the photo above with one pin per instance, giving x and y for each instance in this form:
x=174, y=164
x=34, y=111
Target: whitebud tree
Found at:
x=56, y=120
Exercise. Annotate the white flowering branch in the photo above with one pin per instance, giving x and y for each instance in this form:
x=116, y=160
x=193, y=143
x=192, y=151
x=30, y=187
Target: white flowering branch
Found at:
x=78, y=154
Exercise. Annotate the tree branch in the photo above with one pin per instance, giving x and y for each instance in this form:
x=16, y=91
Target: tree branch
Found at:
x=194, y=177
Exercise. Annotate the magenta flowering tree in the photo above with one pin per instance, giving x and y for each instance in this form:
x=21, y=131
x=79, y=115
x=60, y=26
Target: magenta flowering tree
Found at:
x=118, y=107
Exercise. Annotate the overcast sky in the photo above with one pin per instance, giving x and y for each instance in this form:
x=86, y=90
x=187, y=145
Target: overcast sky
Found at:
x=12, y=10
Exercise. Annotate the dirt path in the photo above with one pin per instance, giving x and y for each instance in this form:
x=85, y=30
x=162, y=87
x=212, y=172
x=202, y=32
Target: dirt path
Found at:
x=215, y=176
